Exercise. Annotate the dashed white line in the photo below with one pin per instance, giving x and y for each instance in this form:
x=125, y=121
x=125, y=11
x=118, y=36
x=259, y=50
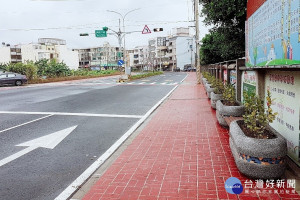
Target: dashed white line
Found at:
x=25, y=123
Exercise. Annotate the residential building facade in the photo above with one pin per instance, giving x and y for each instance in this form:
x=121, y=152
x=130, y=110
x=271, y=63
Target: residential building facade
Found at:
x=10, y=54
x=46, y=48
x=141, y=57
x=175, y=51
x=96, y=57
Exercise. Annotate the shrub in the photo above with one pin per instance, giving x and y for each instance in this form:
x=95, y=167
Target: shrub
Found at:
x=30, y=70
x=229, y=94
x=219, y=86
x=256, y=118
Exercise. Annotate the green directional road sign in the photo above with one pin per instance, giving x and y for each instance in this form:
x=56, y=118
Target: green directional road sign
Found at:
x=100, y=33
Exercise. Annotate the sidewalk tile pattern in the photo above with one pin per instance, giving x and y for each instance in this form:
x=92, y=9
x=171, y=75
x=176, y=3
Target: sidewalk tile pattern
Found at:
x=182, y=154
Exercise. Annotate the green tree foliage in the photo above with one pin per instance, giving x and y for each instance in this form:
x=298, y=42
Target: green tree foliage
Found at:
x=226, y=40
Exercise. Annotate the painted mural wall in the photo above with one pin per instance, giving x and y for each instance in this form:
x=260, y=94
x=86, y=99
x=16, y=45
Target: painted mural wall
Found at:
x=273, y=34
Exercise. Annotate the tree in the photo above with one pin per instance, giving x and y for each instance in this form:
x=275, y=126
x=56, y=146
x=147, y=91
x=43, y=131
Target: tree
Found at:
x=226, y=41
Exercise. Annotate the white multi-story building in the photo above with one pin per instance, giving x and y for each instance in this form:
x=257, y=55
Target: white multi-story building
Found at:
x=140, y=57
x=96, y=57
x=46, y=48
x=157, y=52
x=174, y=51
x=181, y=49
x=5, y=55
x=10, y=54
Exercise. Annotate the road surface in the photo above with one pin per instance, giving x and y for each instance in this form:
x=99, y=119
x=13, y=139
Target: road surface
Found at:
x=50, y=134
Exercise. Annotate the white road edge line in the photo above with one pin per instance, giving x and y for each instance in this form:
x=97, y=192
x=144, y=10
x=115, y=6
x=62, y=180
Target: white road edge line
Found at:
x=89, y=171
x=72, y=114
x=25, y=123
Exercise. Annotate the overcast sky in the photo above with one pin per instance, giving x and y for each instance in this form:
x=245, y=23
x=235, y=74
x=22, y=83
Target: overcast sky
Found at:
x=24, y=21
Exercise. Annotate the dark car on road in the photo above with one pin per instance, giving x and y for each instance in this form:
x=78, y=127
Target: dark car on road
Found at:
x=10, y=78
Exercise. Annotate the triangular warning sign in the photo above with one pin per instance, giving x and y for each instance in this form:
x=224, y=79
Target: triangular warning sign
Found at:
x=146, y=30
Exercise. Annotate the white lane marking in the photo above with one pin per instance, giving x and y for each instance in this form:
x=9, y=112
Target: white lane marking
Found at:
x=72, y=114
x=163, y=83
x=25, y=123
x=130, y=83
x=141, y=83
x=152, y=83
x=48, y=141
x=89, y=171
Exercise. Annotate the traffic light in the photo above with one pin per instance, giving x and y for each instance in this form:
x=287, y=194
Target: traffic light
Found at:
x=83, y=34
x=158, y=29
x=105, y=28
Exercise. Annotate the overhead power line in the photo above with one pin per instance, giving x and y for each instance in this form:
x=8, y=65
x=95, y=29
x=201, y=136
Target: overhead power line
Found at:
x=94, y=25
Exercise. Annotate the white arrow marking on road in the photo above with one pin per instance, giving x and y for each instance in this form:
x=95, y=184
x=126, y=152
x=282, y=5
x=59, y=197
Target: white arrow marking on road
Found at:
x=48, y=141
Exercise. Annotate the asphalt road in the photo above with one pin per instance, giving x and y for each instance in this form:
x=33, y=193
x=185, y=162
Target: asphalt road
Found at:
x=94, y=114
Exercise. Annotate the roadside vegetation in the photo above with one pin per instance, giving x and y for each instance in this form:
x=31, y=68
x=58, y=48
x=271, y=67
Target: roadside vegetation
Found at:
x=45, y=71
x=226, y=40
x=139, y=76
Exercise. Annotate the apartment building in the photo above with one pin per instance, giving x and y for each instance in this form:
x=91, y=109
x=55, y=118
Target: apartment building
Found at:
x=10, y=54
x=101, y=56
x=141, y=57
x=157, y=52
x=175, y=51
x=46, y=48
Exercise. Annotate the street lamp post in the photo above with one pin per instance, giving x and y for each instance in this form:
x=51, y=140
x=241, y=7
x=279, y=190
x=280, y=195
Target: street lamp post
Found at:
x=123, y=19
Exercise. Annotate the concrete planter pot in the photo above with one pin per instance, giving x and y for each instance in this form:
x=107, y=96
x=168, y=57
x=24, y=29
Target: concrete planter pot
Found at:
x=258, y=158
x=214, y=98
x=204, y=81
x=209, y=89
x=226, y=111
x=206, y=85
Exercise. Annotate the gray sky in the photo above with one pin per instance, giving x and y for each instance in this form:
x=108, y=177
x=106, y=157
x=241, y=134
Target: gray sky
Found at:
x=66, y=19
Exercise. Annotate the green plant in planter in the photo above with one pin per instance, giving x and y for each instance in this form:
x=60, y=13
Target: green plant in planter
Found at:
x=256, y=117
x=206, y=74
x=211, y=79
x=219, y=86
x=229, y=94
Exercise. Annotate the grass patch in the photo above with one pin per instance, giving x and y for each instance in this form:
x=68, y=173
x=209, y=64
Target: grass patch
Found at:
x=74, y=77
x=139, y=76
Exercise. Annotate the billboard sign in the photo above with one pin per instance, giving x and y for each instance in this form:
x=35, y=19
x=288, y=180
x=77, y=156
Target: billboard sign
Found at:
x=248, y=83
x=284, y=88
x=273, y=34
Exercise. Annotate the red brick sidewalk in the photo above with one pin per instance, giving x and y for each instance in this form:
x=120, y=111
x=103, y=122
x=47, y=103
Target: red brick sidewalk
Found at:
x=182, y=153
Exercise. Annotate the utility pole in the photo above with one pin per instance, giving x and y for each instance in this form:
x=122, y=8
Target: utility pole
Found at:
x=197, y=60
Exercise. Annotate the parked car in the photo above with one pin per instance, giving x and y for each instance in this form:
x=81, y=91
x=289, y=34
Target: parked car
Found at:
x=10, y=78
x=177, y=69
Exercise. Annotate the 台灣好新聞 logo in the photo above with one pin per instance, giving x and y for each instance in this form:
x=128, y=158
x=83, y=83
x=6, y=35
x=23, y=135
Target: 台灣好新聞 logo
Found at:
x=233, y=186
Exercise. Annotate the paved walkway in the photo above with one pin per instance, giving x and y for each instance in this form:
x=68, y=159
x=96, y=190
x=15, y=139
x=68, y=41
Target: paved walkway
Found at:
x=182, y=153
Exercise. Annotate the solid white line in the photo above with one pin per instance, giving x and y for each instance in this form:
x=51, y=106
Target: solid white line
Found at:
x=89, y=171
x=72, y=114
x=141, y=83
x=24, y=123
x=152, y=83
x=163, y=83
